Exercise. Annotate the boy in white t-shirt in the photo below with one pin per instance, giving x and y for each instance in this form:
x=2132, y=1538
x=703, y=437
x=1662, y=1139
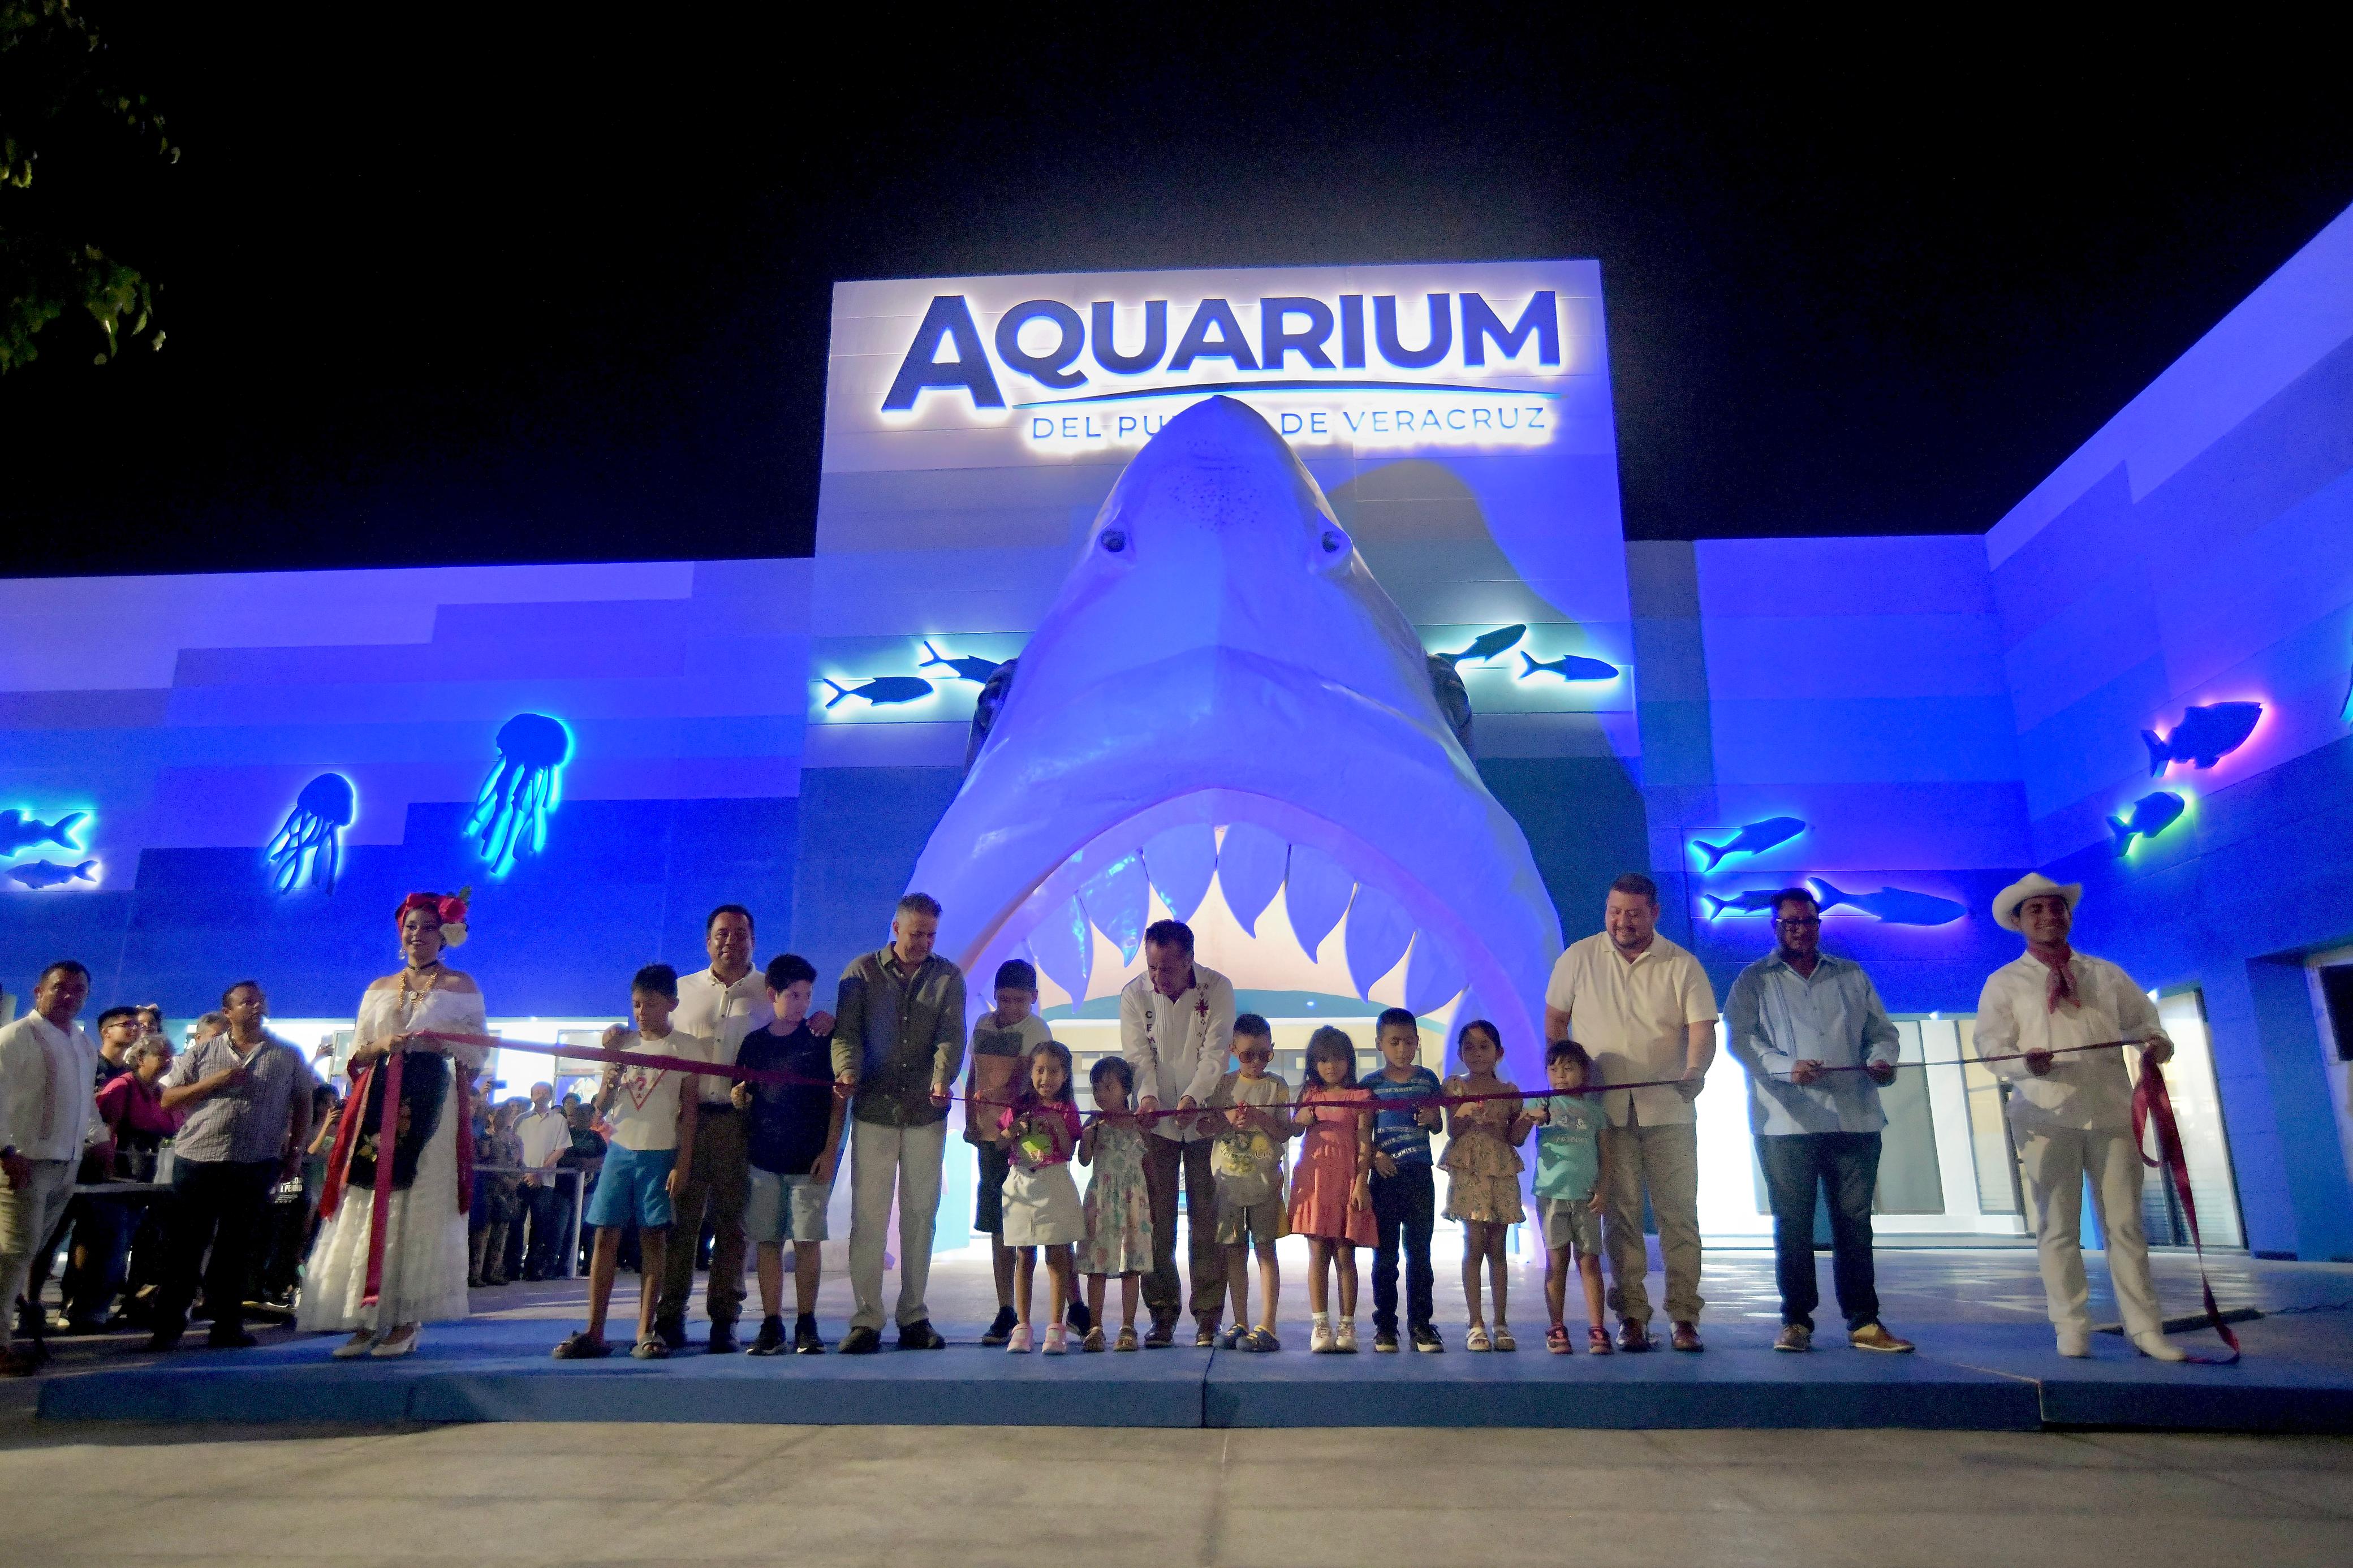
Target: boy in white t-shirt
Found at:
x=649, y=1114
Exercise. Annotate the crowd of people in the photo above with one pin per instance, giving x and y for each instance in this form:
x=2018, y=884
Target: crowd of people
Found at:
x=727, y=1102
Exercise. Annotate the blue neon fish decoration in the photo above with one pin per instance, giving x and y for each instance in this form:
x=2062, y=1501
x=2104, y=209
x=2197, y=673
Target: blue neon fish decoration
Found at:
x=971, y=668
x=1753, y=839
x=1894, y=905
x=1487, y=644
x=2151, y=814
x=2205, y=735
x=1754, y=901
x=1570, y=667
x=22, y=830
x=882, y=690
x=40, y=874
x=510, y=811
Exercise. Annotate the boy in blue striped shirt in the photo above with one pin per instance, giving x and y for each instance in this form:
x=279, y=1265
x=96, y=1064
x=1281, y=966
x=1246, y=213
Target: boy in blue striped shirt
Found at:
x=1404, y=1182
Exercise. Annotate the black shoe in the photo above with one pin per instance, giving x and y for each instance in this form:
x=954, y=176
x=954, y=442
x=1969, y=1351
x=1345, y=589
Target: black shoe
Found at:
x=1162, y=1335
x=165, y=1341
x=1000, y=1327
x=921, y=1336
x=1205, y=1336
x=805, y=1338
x=1385, y=1341
x=1426, y=1339
x=1078, y=1317
x=221, y=1338
x=723, y=1340
x=861, y=1341
x=770, y=1341
x=533, y=1275
x=671, y=1331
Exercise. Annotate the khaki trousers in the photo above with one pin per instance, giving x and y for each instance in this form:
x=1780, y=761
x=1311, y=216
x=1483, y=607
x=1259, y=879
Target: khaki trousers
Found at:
x=1164, y=1161
x=717, y=1178
x=1664, y=1162
x=28, y=1218
x=2055, y=1164
x=883, y=1159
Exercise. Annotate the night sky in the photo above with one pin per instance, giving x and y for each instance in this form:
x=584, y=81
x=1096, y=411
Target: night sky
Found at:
x=444, y=290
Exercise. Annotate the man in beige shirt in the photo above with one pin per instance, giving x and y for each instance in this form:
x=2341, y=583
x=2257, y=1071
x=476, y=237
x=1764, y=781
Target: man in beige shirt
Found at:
x=1642, y=1009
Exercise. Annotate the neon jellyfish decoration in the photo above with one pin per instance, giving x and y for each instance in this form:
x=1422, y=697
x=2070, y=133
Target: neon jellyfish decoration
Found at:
x=511, y=813
x=313, y=831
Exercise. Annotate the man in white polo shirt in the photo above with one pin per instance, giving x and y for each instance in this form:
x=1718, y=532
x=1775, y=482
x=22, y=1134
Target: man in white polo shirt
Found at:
x=720, y=1005
x=1643, y=1009
x=1175, y=1025
x=545, y=1133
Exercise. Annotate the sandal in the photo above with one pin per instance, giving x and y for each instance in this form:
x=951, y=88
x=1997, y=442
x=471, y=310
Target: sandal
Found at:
x=1557, y=1339
x=1501, y=1338
x=1261, y=1341
x=1126, y=1340
x=1597, y=1341
x=1476, y=1340
x=580, y=1347
x=1094, y=1340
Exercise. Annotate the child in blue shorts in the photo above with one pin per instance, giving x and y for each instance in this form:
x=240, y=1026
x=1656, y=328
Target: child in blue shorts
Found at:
x=651, y=1112
x=793, y=1140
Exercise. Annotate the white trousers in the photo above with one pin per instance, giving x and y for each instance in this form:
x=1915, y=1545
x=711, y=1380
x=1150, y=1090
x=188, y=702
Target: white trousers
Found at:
x=27, y=1219
x=882, y=1159
x=2055, y=1164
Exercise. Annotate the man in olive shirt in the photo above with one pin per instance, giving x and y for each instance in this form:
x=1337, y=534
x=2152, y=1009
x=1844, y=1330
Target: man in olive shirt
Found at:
x=898, y=1041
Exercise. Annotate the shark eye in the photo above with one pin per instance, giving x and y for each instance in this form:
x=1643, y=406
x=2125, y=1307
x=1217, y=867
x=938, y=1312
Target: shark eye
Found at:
x=1113, y=540
x=1335, y=541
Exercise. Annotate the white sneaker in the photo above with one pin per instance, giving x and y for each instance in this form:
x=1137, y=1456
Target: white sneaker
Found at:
x=1320, y=1341
x=1345, y=1341
x=2076, y=1343
x=1057, y=1340
x=2157, y=1347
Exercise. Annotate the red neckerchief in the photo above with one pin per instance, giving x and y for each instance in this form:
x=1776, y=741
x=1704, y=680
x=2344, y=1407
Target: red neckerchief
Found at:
x=2062, y=978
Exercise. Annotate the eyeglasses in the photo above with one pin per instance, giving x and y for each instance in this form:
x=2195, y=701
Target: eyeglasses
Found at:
x=1798, y=925
x=1255, y=1055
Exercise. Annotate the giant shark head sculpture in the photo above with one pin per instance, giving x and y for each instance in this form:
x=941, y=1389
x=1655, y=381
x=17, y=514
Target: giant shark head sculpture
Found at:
x=1221, y=689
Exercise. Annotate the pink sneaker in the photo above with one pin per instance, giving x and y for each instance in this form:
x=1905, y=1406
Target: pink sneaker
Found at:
x=1057, y=1340
x=1018, y=1343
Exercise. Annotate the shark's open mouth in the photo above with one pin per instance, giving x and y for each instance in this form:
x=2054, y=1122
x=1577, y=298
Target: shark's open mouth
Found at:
x=1278, y=903
x=1225, y=717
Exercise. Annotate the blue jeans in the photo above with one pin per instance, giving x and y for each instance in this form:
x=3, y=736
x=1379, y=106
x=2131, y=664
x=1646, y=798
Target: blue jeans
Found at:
x=1847, y=1165
x=1403, y=1206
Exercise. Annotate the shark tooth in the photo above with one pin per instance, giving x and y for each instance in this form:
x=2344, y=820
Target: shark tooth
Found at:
x=1181, y=861
x=1432, y=977
x=1065, y=948
x=1250, y=866
x=1378, y=931
x=1117, y=899
x=1316, y=893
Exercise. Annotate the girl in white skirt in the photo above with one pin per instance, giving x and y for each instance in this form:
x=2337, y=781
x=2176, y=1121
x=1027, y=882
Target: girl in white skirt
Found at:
x=1040, y=1132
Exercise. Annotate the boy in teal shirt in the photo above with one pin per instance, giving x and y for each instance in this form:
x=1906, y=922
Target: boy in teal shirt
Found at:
x=1568, y=1189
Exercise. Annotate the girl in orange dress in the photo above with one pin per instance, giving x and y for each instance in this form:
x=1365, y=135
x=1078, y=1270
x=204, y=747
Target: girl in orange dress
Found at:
x=1331, y=1195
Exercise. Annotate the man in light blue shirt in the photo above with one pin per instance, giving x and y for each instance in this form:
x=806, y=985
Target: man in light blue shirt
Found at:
x=1810, y=1028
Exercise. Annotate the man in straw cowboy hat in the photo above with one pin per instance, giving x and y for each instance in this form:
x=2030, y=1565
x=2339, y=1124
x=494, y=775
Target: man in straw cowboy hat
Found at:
x=2071, y=1108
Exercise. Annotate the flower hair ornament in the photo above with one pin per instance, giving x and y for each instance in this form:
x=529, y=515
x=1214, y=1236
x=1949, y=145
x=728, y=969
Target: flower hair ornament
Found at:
x=448, y=908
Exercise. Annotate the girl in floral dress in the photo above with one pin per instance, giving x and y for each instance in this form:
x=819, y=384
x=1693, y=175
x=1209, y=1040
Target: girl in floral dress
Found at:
x=1483, y=1164
x=1119, y=1207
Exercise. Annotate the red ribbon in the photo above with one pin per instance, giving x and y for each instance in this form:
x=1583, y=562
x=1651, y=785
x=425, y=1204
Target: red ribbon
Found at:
x=2152, y=1103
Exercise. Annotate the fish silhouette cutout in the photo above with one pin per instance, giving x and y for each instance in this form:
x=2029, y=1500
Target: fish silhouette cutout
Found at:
x=977, y=670
x=1379, y=932
x=1432, y=977
x=1487, y=644
x=1753, y=839
x=20, y=830
x=882, y=690
x=2151, y=814
x=1181, y=861
x=1251, y=864
x=2205, y=735
x=1894, y=905
x=1570, y=666
x=1754, y=901
x=40, y=874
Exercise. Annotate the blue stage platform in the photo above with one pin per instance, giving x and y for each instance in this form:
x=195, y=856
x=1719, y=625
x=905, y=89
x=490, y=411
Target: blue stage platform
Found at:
x=2298, y=1376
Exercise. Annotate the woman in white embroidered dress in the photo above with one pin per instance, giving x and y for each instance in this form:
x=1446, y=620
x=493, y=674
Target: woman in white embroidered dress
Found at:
x=425, y=1254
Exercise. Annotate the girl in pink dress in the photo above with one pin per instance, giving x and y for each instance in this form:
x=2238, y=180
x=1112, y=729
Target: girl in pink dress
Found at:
x=1331, y=1195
